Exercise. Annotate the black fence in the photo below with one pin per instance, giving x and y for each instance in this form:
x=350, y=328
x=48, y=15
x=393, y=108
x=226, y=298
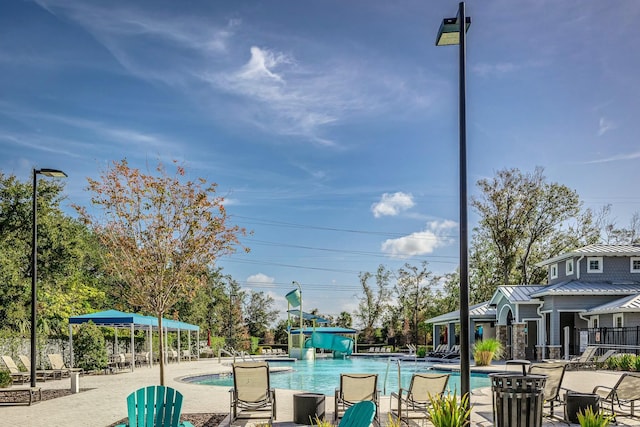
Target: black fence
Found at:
x=622, y=339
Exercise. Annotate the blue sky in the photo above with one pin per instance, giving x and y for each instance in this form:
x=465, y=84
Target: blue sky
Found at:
x=330, y=126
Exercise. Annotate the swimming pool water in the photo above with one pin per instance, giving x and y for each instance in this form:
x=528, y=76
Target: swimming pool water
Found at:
x=323, y=375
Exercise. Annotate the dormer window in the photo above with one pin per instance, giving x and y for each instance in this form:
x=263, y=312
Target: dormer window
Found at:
x=594, y=264
x=569, y=267
x=553, y=271
x=635, y=264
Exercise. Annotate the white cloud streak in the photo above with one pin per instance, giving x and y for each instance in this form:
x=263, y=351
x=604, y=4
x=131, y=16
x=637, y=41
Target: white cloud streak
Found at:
x=605, y=125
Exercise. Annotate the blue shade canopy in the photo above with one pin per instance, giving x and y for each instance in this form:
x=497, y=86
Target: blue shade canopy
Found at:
x=324, y=330
x=119, y=318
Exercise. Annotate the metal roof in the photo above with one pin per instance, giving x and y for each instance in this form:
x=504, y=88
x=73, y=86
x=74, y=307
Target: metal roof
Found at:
x=629, y=303
x=324, y=330
x=576, y=287
x=516, y=293
x=595, y=250
x=477, y=312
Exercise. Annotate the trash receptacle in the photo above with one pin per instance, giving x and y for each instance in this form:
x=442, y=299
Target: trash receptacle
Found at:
x=517, y=399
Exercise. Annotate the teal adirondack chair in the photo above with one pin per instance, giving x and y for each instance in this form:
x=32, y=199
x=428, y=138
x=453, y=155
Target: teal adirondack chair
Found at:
x=360, y=414
x=155, y=406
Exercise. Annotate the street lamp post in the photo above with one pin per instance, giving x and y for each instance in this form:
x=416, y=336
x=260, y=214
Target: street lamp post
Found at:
x=453, y=32
x=34, y=261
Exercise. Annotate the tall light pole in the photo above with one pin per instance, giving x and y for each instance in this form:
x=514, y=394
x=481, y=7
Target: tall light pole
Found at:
x=453, y=32
x=34, y=262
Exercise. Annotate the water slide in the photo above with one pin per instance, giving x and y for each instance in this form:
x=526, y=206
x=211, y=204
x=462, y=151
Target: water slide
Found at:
x=335, y=343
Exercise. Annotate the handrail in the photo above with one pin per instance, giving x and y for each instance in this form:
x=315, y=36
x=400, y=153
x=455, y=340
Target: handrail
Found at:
x=235, y=353
x=386, y=374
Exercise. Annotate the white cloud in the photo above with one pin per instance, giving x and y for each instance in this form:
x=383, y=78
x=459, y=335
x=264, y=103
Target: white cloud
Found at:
x=392, y=204
x=260, y=279
x=605, y=126
x=616, y=158
x=422, y=242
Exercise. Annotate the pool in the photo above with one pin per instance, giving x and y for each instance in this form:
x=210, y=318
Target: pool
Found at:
x=323, y=375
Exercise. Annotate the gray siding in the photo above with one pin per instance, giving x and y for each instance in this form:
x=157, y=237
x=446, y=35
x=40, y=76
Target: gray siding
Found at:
x=614, y=269
x=528, y=311
x=575, y=302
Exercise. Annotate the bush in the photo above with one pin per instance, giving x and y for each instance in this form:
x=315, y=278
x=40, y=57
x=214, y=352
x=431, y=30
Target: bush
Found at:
x=590, y=419
x=448, y=411
x=487, y=350
x=5, y=379
x=422, y=351
x=626, y=361
x=89, y=348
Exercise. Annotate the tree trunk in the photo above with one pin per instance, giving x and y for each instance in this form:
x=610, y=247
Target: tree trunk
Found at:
x=161, y=349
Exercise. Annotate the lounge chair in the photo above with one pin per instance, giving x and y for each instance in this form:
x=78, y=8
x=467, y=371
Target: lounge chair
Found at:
x=454, y=353
x=40, y=373
x=585, y=359
x=17, y=376
x=57, y=364
x=623, y=394
x=252, y=393
x=359, y=415
x=600, y=360
x=157, y=406
x=414, y=402
x=440, y=350
x=355, y=388
x=552, y=387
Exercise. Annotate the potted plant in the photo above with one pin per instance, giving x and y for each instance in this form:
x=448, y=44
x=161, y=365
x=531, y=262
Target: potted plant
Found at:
x=588, y=418
x=486, y=350
x=447, y=410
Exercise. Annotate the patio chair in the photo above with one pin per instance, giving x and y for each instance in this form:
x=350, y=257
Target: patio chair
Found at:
x=57, y=364
x=623, y=394
x=359, y=415
x=156, y=406
x=40, y=373
x=16, y=375
x=356, y=388
x=600, y=360
x=252, y=393
x=414, y=402
x=555, y=374
x=454, y=353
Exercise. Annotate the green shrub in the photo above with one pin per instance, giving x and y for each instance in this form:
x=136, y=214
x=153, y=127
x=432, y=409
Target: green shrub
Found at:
x=5, y=379
x=447, y=411
x=612, y=363
x=421, y=351
x=626, y=361
x=590, y=419
x=89, y=348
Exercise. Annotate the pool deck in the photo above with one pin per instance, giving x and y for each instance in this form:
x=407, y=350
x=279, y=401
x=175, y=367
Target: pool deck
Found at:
x=103, y=400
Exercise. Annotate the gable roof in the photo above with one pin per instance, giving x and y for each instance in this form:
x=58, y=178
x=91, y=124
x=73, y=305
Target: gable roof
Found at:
x=516, y=293
x=586, y=288
x=629, y=303
x=595, y=250
x=482, y=311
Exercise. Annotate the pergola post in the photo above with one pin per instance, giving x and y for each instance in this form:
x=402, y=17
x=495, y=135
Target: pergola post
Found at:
x=70, y=345
x=132, y=348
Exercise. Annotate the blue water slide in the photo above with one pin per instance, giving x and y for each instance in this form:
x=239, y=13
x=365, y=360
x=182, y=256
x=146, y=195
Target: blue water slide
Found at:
x=331, y=342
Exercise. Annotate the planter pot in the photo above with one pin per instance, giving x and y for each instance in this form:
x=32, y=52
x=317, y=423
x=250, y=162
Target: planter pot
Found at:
x=483, y=358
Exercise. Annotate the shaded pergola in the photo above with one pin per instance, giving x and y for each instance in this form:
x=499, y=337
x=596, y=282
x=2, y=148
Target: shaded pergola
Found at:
x=132, y=321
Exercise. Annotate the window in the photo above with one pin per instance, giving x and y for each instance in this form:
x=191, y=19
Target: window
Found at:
x=569, y=267
x=553, y=270
x=594, y=264
x=635, y=264
x=617, y=321
x=594, y=322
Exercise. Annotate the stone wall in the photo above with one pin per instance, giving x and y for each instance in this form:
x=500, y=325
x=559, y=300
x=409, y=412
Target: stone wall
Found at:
x=501, y=336
x=518, y=341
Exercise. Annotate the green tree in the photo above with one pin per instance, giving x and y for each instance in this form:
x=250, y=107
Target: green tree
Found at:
x=524, y=218
x=162, y=233
x=71, y=279
x=89, y=348
x=344, y=320
x=259, y=313
x=414, y=291
x=373, y=303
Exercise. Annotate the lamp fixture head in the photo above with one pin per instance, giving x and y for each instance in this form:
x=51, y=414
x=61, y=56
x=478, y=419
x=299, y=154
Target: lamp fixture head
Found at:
x=449, y=32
